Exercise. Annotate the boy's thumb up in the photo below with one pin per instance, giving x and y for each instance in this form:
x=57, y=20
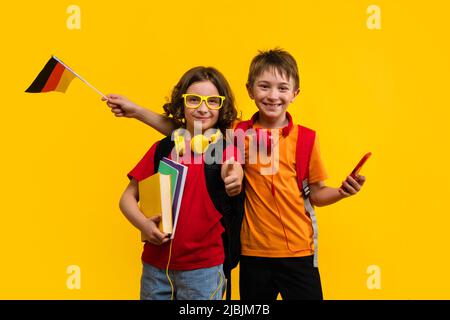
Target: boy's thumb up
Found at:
x=227, y=167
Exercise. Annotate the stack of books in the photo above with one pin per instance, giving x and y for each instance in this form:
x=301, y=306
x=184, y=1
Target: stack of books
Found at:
x=161, y=194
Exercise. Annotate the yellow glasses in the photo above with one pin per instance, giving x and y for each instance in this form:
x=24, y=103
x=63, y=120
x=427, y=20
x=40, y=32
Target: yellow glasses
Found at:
x=194, y=101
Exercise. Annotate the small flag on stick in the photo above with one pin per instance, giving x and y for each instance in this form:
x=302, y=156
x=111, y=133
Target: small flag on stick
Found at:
x=56, y=76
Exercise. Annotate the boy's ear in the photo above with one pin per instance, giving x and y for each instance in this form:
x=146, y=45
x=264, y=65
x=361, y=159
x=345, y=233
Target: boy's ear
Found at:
x=249, y=90
x=295, y=94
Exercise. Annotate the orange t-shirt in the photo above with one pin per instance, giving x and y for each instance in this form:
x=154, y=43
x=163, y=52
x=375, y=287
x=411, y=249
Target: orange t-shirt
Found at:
x=276, y=225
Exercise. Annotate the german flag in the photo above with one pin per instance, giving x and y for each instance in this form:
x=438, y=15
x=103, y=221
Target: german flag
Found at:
x=55, y=76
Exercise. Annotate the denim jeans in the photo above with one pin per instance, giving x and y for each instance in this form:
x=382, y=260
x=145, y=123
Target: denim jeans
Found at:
x=198, y=284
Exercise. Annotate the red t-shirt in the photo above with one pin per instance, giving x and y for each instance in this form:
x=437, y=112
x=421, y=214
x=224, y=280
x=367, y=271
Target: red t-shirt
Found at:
x=198, y=238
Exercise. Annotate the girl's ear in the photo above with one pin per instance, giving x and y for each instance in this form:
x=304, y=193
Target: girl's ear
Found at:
x=249, y=90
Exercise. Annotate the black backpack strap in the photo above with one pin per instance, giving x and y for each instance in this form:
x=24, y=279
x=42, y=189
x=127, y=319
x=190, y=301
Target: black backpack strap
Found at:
x=232, y=236
x=232, y=210
x=228, y=289
x=162, y=150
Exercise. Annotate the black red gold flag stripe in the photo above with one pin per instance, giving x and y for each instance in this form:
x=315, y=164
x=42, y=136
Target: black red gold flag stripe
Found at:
x=53, y=77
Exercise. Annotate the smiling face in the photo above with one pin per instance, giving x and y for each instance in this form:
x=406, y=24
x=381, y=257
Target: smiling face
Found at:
x=272, y=93
x=203, y=117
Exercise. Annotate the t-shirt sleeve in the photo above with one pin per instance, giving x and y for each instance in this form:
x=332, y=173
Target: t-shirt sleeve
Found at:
x=317, y=170
x=145, y=167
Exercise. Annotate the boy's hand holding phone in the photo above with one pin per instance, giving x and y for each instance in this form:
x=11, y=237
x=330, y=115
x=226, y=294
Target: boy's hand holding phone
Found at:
x=354, y=181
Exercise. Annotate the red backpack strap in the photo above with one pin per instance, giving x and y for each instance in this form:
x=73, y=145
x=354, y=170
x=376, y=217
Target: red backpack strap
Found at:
x=244, y=125
x=305, y=143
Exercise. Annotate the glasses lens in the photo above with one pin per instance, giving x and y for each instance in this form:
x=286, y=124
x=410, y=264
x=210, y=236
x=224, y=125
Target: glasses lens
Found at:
x=214, y=102
x=192, y=100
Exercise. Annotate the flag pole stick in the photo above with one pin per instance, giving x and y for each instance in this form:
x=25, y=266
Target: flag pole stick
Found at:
x=80, y=77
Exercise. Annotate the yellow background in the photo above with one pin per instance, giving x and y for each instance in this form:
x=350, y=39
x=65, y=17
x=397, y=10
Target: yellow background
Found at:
x=64, y=157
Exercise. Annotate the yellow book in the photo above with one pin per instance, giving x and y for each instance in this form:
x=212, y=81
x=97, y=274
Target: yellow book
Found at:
x=155, y=199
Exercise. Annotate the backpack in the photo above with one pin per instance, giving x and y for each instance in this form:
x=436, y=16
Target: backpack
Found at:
x=305, y=143
x=231, y=208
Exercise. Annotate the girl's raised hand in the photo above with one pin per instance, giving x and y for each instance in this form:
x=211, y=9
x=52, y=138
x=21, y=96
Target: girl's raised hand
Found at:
x=121, y=106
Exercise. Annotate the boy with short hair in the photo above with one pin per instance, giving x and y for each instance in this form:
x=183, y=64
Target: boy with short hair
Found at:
x=279, y=233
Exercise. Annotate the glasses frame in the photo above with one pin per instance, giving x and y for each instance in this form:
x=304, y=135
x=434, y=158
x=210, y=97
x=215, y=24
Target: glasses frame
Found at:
x=203, y=98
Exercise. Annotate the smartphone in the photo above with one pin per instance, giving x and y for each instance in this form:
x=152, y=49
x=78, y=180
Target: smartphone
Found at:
x=359, y=165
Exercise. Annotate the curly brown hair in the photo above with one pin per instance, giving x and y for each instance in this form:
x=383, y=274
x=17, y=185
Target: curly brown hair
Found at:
x=175, y=107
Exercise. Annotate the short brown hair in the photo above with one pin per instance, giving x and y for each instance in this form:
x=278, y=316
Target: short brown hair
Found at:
x=175, y=107
x=276, y=60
